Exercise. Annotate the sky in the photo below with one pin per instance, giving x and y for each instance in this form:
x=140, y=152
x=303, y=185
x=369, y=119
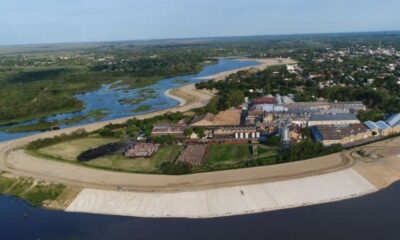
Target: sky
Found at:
x=54, y=21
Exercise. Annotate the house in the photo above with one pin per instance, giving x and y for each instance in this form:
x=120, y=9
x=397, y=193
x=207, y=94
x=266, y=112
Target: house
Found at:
x=291, y=68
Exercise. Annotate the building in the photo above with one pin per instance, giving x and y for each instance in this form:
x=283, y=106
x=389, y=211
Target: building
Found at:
x=291, y=68
x=168, y=129
x=385, y=128
x=332, y=119
x=394, y=120
x=254, y=116
x=236, y=132
x=268, y=99
x=341, y=134
x=379, y=128
x=142, y=150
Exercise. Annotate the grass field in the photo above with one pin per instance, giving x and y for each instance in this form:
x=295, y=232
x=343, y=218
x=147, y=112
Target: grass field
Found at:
x=140, y=165
x=226, y=156
x=230, y=153
x=70, y=150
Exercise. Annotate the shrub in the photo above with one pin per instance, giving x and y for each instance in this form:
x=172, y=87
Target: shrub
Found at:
x=175, y=169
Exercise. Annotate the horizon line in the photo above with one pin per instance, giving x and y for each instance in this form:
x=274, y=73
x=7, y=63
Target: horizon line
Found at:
x=192, y=38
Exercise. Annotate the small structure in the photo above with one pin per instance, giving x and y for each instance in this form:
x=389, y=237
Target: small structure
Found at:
x=237, y=132
x=142, y=150
x=254, y=150
x=168, y=129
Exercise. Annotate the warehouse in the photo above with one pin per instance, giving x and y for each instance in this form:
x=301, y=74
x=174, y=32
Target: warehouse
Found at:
x=340, y=134
x=332, y=119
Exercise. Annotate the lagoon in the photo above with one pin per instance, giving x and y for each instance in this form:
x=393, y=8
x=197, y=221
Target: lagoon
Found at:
x=116, y=100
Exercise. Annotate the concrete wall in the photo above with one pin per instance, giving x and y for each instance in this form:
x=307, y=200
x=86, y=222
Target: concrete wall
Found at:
x=227, y=200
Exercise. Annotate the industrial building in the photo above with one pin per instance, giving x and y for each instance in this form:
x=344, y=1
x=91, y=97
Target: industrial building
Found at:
x=332, y=119
x=340, y=134
x=385, y=128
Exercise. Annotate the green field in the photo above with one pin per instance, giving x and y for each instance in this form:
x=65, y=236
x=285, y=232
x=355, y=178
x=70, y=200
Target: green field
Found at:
x=228, y=153
x=229, y=156
x=139, y=165
x=70, y=150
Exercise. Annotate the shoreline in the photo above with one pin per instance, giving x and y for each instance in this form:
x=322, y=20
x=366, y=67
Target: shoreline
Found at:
x=263, y=64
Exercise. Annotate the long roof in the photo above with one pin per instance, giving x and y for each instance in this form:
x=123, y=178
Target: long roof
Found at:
x=332, y=117
x=337, y=132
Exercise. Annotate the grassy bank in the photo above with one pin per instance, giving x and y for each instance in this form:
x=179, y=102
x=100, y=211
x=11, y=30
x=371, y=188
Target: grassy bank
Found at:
x=44, y=125
x=36, y=193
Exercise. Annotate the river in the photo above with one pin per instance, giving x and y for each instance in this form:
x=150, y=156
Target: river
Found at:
x=109, y=98
x=372, y=217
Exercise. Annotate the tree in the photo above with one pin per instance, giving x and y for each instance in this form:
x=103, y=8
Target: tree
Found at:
x=199, y=131
x=274, y=141
x=188, y=132
x=175, y=169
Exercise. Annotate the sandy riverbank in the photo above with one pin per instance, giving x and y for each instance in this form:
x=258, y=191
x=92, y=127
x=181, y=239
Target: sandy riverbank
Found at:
x=263, y=64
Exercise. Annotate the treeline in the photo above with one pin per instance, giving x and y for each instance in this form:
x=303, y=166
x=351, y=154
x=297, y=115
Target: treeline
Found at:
x=45, y=142
x=309, y=149
x=134, y=127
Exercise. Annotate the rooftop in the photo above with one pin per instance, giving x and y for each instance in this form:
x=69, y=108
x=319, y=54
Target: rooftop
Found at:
x=337, y=132
x=394, y=119
x=332, y=117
